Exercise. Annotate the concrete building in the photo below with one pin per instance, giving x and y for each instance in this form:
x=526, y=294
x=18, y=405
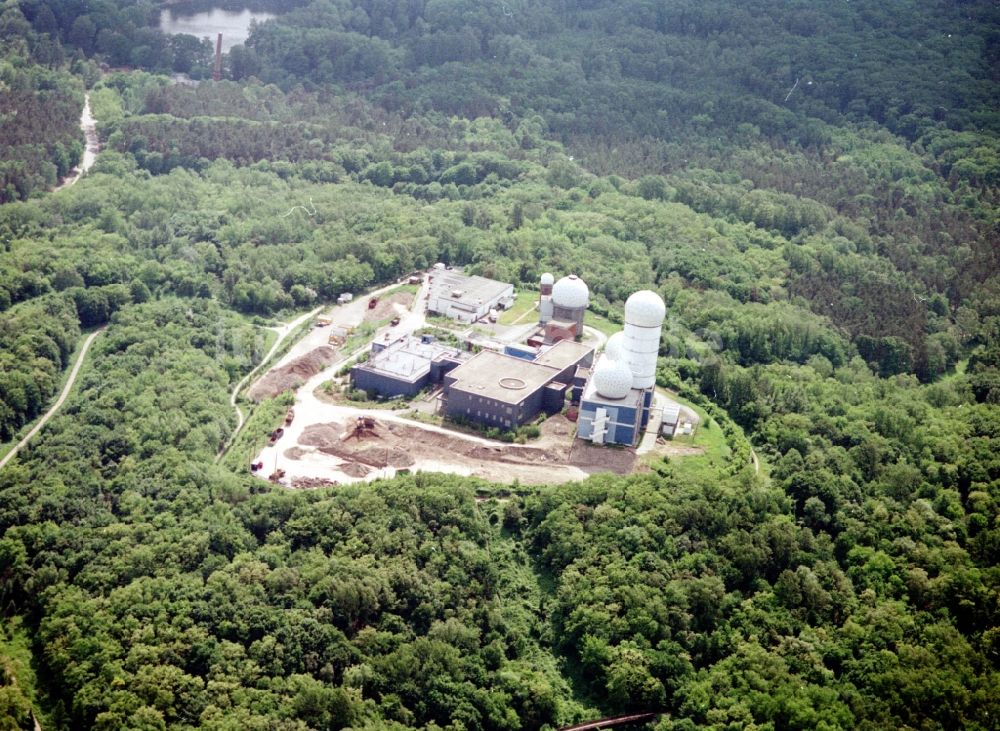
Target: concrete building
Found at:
x=466, y=298
x=506, y=391
x=404, y=367
x=615, y=403
x=668, y=422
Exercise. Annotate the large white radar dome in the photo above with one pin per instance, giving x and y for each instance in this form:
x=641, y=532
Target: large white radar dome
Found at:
x=615, y=347
x=613, y=378
x=547, y=278
x=571, y=292
x=645, y=309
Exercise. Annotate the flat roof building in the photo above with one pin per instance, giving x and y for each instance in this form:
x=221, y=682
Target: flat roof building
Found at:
x=404, y=367
x=505, y=391
x=565, y=356
x=466, y=298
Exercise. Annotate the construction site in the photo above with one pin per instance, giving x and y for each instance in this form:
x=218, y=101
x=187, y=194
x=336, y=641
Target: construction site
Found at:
x=459, y=406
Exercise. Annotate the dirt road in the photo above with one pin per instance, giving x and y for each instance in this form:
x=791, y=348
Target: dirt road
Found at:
x=89, y=126
x=283, y=332
x=59, y=402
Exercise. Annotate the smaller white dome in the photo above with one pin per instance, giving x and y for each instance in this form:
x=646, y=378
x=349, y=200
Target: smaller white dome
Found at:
x=612, y=378
x=547, y=278
x=571, y=292
x=615, y=347
x=645, y=309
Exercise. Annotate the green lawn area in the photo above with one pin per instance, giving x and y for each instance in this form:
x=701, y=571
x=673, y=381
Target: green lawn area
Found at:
x=601, y=324
x=709, y=436
x=524, y=302
x=411, y=288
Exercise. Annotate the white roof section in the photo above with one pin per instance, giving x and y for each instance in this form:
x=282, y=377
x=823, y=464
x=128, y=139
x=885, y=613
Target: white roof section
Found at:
x=645, y=308
x=469, y=293
x=612, y=378
x=547, y=278
x=615, y=347
x=571, y=292
x=407, y=358
x=564, y=354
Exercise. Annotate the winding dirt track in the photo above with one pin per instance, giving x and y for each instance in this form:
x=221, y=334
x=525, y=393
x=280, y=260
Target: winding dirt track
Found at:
x=59, y=402
x=283, y=332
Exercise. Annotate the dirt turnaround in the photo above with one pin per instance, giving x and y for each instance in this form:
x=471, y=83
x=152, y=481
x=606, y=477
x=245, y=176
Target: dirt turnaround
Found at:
x=294, y=374
x=391, y=306
x=392, y=444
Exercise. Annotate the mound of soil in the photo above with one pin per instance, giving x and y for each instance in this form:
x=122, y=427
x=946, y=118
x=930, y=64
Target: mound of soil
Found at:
x=321, y=435
x=354, y=469
x=313, y=482
x=591, y=458
x=293, y=374
x=384, y=457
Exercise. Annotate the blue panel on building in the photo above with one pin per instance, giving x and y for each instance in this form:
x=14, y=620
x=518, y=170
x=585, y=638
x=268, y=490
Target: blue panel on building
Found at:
x=647, y=400
x=554, y=397
x=625, y=434
x=522, y=352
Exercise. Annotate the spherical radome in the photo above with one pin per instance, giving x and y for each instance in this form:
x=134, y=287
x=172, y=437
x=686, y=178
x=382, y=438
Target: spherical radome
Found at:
x=645, y=309
x=547, y=278
x=615, y=347
x=571, y=292
x=612, y=378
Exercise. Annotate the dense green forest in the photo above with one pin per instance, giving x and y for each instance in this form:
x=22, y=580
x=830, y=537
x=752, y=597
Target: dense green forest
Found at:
x=811, y=187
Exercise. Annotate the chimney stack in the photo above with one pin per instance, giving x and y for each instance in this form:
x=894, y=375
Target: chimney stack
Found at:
x=217, y=71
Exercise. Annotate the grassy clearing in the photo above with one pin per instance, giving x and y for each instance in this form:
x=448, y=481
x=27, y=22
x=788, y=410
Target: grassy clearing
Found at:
x=601, y=324
x=408, y=288
x=524, y=302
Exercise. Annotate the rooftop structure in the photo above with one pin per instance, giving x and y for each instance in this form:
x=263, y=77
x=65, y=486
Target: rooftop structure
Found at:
x=500, y=377
x=466, y=298
x=571, y=293
x=404, y=367
x=615, y=420
x=644, y=314
x=506, y=391
x=566, y=354
x=562, y=305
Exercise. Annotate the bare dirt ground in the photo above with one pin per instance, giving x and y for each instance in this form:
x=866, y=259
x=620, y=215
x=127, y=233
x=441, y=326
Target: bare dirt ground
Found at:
x=293, y=374
x=391, y=306
x=396, y=445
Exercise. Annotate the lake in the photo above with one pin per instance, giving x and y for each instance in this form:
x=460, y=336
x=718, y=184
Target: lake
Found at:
x=234, y=25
